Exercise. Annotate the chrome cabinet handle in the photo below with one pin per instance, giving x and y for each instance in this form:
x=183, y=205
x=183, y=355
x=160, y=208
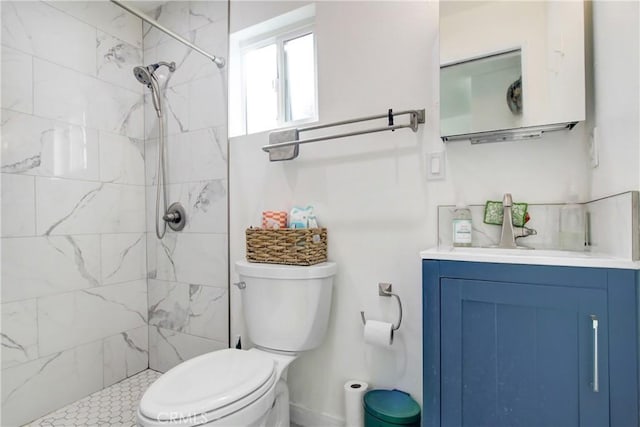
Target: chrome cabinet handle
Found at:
x=594, y=324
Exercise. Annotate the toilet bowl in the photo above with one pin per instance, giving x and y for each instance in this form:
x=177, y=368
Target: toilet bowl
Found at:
x=248, y=387
x=228, y=387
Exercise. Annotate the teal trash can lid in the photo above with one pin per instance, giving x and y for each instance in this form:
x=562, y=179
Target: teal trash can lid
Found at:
x=393, y=406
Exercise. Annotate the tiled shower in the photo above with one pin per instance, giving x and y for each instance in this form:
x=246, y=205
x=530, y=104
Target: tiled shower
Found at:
x=90, y=296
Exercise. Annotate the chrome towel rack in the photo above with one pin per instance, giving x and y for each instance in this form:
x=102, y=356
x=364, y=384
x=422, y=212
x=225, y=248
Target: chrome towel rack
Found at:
x=284, y=144
x=385, y=290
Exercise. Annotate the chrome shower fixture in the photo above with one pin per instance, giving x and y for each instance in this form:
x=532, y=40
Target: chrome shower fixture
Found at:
x=145, y=75
x=175, y=215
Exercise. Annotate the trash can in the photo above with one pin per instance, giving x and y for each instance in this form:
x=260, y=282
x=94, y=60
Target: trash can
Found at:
x=386, y=408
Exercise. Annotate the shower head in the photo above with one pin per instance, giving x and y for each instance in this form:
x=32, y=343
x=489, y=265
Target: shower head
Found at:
x=146, y=76
x=143, y=75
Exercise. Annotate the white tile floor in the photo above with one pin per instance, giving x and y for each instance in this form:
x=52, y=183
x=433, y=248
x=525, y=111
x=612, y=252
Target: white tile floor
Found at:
x=114, y=406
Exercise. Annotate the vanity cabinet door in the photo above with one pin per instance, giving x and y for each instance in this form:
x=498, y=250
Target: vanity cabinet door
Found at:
x=517, y=354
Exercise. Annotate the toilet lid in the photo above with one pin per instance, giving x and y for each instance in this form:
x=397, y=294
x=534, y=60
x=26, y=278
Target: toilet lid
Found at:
x=206, y=383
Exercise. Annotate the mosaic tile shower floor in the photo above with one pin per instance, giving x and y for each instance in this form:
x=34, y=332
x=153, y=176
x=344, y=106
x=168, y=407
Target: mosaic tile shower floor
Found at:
x=114, y=406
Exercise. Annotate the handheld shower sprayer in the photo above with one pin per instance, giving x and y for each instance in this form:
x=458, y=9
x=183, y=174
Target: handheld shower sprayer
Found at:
x=146, y=76
x=174, y=215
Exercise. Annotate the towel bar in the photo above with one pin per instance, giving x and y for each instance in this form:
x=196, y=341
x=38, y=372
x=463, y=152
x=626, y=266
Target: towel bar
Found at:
x=284, y=144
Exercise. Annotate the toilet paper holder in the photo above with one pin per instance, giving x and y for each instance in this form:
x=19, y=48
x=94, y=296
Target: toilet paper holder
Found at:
x=385, y=290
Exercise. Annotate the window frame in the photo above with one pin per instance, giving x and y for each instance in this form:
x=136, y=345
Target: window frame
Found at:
x=279, y=37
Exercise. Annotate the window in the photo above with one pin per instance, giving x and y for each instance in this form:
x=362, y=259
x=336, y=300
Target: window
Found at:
x=273, y=75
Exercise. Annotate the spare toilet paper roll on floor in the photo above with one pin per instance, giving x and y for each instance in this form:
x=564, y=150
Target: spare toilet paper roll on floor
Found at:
x=378, y=333
x=354, y=411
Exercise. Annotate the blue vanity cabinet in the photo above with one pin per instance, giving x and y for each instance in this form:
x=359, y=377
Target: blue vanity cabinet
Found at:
x=528, y=345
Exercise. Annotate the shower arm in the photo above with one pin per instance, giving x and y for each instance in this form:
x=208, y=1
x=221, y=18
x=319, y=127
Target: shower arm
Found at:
x=170, y=65
x=220, y=62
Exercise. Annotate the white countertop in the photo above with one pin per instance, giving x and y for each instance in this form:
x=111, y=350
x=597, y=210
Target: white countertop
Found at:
x=529, y=256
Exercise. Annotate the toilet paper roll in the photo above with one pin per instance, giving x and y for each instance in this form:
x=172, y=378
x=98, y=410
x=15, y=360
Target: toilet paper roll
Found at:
x=378, y=333
x=354, y=411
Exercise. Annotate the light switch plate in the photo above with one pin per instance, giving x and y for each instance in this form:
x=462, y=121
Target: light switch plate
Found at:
x=435, y=162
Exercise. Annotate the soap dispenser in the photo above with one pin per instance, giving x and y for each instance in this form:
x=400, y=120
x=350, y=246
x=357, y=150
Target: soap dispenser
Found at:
x=572, y=225
x=462, y=226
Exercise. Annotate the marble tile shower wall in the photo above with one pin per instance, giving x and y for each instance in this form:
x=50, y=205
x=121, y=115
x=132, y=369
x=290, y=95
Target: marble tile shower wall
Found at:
x=74, y=291
x=188, y=270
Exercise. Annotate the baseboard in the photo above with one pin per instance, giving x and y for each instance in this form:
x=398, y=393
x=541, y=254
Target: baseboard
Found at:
x=307, y=418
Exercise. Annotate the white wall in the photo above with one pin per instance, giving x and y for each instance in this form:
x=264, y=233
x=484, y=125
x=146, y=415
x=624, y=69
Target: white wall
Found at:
x=371, y=191
x=617, y=97
x=74, y=294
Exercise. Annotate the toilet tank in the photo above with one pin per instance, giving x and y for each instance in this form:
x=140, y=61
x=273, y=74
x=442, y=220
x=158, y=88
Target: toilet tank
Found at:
x=286, y=307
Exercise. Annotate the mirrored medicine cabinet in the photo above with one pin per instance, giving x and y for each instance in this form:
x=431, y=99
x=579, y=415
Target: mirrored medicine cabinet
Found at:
x=510, y=70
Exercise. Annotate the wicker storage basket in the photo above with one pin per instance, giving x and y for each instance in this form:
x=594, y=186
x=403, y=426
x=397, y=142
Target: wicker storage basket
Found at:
x=301, y=246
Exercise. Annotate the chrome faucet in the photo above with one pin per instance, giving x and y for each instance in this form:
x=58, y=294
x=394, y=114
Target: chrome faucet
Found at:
x=509, y=234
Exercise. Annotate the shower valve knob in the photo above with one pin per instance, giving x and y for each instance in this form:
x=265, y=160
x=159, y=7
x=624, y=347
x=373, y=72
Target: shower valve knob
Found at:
x=175, y=217
x=172, y=217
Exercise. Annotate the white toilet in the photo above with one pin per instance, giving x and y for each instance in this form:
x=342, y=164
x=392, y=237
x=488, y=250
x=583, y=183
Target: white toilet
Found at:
x=286, y=311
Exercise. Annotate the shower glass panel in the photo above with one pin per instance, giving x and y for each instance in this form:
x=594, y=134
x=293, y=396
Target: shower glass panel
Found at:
x=90, y=296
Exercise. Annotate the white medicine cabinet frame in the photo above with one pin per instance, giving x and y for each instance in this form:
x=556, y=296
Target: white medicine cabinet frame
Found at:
x=481, y=43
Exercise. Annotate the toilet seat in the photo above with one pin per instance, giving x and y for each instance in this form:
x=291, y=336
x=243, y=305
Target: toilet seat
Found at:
x=208, y=387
